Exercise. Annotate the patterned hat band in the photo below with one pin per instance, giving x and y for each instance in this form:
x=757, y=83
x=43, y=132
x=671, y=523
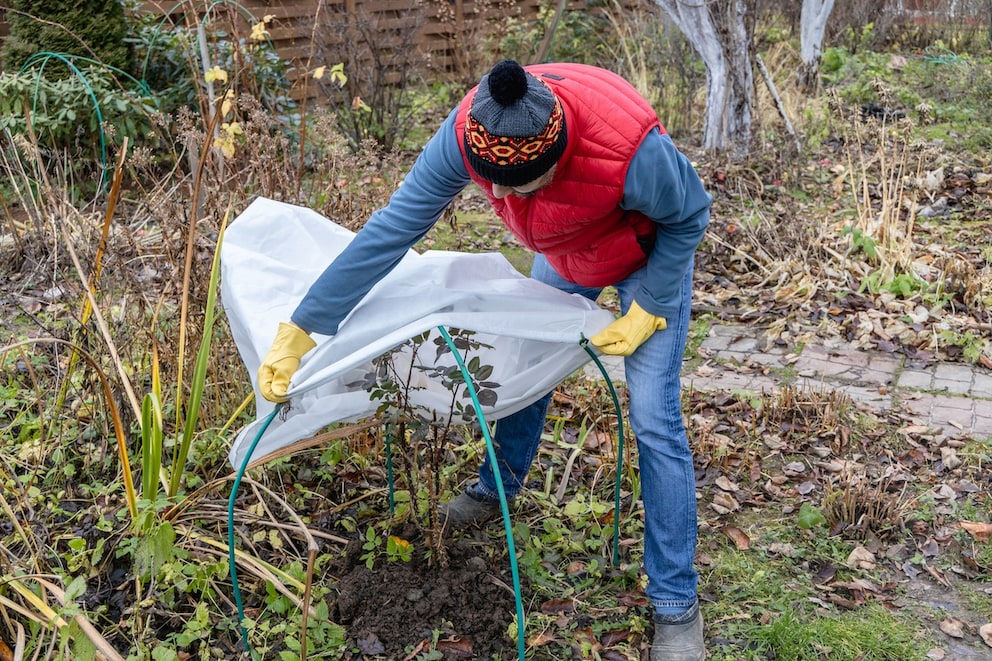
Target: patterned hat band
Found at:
x=509, y=161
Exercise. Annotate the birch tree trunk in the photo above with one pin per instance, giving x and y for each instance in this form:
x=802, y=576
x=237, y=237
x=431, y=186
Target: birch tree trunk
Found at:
x=721, y=31
x=812, y=25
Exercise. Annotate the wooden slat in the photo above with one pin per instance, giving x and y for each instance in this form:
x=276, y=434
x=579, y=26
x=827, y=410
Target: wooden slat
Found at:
x=291, y=31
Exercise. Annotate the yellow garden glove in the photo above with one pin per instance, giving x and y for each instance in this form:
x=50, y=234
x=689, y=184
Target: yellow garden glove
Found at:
x=628, y=332
x=282, y=361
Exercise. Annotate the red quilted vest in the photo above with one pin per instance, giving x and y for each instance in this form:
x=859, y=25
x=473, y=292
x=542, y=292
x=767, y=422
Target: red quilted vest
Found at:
x=576, y=220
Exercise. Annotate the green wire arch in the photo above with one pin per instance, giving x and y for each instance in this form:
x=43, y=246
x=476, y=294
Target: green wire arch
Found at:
x=44, y=57
x=490, y=449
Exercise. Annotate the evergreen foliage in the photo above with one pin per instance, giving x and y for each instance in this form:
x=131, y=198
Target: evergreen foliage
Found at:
x=96, y=29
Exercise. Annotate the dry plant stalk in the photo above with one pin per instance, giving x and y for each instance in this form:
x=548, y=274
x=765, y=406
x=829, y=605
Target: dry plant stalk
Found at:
x=879, y=165
x=866, y=509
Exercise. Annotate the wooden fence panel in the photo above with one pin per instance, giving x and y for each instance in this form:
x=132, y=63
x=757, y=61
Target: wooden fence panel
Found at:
x=449, y=29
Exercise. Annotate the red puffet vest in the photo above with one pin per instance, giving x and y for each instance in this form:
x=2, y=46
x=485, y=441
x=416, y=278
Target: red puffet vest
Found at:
x=576, y=221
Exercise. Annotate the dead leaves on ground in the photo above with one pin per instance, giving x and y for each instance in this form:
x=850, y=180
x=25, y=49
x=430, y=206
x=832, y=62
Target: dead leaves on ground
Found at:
x=894, y=491
x=799, y=270
x=582, y=638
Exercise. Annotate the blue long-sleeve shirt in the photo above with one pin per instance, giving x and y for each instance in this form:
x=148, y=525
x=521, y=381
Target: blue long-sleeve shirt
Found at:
x=661, y=183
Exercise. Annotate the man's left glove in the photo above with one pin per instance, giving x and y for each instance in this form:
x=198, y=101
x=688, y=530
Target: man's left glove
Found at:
x=282, y=361
x=628, y=332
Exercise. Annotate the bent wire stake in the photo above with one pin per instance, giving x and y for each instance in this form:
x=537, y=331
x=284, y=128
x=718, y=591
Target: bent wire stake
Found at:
x=245, y=646
x=584, y=343
x=491, y=451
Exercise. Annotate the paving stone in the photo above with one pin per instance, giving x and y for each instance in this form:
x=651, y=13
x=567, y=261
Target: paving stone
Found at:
x=950, y=372
x=744, y=345
x=721, y=337
x=962, y=407
x=949, y=411
x=951, y=386
x=981, y=386
x=613, y=366
x=769, y=359
x=917, y=379
x=812, y=365
x=954, y=403
x=983, y=423
x=856, y=366
x=881, y=377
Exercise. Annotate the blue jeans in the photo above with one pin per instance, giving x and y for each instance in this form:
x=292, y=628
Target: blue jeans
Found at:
x=664, y=459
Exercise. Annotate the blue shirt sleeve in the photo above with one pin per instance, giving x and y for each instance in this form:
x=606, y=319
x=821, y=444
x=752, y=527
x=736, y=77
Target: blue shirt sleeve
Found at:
x=662, y=184
x=436, y=178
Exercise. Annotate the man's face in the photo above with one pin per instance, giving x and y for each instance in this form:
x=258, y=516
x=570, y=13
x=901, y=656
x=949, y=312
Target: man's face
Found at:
x=526, y=190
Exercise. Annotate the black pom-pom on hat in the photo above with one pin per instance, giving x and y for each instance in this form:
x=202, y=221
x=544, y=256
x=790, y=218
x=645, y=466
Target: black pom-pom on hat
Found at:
x=515, y=130
x=507, y=82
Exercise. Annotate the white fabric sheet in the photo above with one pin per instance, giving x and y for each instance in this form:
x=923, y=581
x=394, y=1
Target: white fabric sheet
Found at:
x=273, y=251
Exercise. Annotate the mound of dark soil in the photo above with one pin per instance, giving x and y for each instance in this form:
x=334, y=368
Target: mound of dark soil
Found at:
x=396, y=607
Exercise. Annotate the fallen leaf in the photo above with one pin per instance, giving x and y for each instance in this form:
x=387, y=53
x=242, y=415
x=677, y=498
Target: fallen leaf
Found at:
x=938, y=576
x=587, y=639
x=857, y=585
x=861, y=558
x=724, y=503
x=980, y=531
x=369, y=644
x=575, y=567
x=726, y=484
x=614, y=655
x=949, y=457
x=985, y=631
x=611, y=638
x=953, y=627
x=558, y=606
x=459, y=648
x=784, y=549
x=825, y=574
x=738, y=536
x=843, y=602
x=541, y=638
x=632, y=599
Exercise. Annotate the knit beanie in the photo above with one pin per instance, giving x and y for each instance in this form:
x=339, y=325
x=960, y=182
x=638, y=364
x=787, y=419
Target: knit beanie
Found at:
x=515, y=130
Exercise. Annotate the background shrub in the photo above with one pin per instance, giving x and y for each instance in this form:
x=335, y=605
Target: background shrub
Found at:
x=96, y=29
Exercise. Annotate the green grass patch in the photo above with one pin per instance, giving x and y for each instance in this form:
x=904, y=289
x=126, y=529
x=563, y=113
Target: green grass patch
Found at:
x=871, y=632
x=765, y=607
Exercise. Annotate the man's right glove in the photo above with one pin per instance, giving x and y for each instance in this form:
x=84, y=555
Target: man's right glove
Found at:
x=282, y=361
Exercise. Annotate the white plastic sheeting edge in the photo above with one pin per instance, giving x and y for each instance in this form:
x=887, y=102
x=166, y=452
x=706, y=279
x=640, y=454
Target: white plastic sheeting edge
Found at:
x=272, y=253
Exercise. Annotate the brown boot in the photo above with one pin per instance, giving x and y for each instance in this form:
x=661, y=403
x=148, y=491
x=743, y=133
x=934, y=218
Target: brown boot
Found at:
x=679, y=642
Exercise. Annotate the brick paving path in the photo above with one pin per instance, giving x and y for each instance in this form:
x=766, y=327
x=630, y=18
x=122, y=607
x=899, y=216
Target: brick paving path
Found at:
x=952, y=400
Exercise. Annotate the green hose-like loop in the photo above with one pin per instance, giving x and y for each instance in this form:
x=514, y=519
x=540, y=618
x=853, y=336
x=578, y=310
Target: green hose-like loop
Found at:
x=45, y=57
x=584, y=343
x=70, y=61
x=491, y=450
x=245, y=645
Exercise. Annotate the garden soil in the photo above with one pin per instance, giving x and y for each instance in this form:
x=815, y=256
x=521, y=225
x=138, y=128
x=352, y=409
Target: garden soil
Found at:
x=396, y=608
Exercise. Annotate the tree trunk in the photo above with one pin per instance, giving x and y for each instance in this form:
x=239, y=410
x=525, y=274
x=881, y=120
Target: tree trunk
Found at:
x=721, y=31
x=812, y=25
